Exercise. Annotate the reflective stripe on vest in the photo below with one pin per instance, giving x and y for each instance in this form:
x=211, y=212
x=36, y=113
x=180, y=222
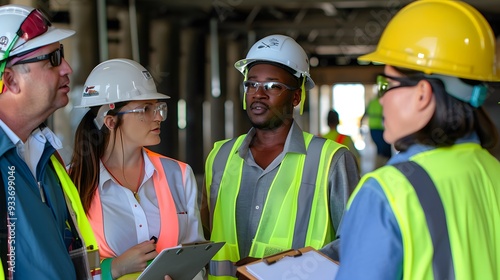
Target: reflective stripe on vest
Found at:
x=442, y=261
x=76, y=207
x=166, y=180
x=308, y=197
x=78, y=218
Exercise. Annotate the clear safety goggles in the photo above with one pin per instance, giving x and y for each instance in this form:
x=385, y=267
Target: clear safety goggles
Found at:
x=270, y=88
x=149, y=111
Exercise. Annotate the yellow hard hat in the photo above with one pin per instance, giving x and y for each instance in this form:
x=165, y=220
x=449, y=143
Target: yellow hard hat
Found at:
x=439, y=37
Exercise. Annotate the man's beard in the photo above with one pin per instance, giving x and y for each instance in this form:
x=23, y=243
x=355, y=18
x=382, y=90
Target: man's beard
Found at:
x=274, y=122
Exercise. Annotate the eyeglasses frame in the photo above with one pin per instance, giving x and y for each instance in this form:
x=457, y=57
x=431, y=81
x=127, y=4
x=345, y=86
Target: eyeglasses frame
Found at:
x=49, y=56
x=262, y=84
x=143, y=110
x=383, y=84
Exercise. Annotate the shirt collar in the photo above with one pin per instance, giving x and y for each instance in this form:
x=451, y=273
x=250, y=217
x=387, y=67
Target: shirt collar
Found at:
x=12, y=136
x=294, y=142
x=45, y=135
x=149, y=170
x=419, y=148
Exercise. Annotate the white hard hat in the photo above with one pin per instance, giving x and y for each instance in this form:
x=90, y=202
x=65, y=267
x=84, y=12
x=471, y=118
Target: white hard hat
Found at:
x=279, y=49
x=118, y=80
x=27, y=28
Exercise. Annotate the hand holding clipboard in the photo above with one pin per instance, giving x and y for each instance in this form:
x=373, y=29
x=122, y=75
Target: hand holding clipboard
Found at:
x=181, y=262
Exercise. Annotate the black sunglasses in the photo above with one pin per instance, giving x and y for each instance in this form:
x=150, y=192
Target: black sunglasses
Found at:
x=54, y=57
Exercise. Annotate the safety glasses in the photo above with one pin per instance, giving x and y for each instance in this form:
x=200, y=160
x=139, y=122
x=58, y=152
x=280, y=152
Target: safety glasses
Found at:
x=149, y=111
x=33, y=26
x=384, y=85
x=270, y=88
x=54, y=57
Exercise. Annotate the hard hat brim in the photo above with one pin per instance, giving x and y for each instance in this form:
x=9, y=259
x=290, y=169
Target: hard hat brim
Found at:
x=389, y=58
x=149, y=96
x=241, y=64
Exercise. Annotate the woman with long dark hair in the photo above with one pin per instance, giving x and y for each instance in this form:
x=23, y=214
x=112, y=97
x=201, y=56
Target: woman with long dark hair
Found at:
x=138, y=202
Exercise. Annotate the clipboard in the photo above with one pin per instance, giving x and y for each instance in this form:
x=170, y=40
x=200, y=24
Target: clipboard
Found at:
x=304, y=263
x=182, y=262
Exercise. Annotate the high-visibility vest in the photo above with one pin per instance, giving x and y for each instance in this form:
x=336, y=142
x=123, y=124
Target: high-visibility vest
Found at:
x=337, y=137
x=469, y=188
x=77, y=213
x=374, y=112
x=170, y=175
x=296, y=211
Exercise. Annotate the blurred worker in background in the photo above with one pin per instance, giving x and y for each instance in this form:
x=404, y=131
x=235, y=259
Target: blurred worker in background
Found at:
x=333, y=121
x=376, y=125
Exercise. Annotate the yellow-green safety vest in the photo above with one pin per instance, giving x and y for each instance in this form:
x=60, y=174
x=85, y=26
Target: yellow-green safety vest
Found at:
x=374, y=112
x=467, y=179
x=78, y=215
x=295, y=214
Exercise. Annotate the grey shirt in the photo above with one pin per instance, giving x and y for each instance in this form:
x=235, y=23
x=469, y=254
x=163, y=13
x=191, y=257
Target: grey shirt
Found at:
x=255, y=183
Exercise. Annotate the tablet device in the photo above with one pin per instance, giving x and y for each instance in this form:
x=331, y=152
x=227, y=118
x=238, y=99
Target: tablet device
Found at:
x=182, y=262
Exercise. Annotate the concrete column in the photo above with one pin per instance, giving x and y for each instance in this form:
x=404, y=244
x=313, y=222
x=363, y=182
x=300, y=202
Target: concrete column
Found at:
x=164, y=66
x=84, y=44
x=239, y=119
x=192, y=88
x=216, y=99
x=124, y=49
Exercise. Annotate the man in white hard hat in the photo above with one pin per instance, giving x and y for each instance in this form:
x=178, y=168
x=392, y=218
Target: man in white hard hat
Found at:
x=277, y=187
x=38, y=200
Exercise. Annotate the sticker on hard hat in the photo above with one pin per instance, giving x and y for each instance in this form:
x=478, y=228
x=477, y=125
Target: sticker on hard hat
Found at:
x=91, y=91
x=147, y=75
x=273, y=42
x=4, y=41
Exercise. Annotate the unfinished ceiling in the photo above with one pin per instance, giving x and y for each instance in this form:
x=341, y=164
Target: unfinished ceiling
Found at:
x=335, y=29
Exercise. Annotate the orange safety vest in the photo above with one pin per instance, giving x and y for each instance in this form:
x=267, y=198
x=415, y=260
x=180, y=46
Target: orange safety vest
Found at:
x=169, y=228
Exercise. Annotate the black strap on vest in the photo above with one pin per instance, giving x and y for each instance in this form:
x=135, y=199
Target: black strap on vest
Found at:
x=3, y=227
x=442, y=261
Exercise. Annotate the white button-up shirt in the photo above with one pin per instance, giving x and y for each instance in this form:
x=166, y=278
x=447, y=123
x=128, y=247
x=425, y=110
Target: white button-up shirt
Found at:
x=129, y=222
